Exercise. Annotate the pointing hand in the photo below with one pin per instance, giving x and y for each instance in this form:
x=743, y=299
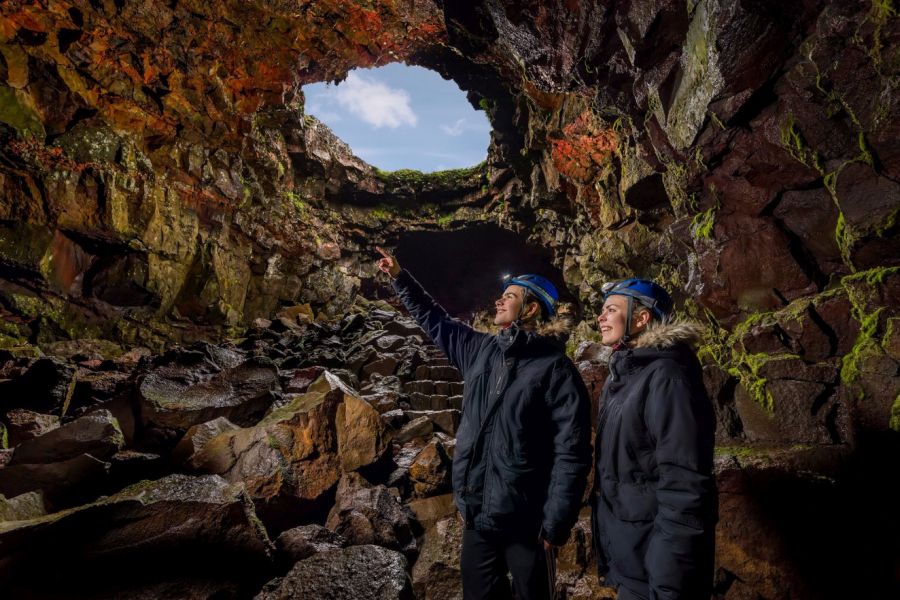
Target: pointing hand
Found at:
x=388, y=263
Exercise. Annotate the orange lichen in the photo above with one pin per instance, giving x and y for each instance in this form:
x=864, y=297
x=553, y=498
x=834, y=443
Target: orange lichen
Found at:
x=584, y=148
x=48, y=157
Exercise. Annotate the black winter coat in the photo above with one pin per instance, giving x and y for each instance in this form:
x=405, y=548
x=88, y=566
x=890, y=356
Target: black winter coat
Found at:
x=523, y=444
x=655, y=502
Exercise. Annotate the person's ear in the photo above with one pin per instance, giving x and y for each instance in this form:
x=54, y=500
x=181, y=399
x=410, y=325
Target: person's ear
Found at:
x=642, y=318
x=534, y=309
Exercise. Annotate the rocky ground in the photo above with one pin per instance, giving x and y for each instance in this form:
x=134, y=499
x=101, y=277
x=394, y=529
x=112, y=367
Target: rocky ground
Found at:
x=311, y=460
x=303, y=460
x=162, y=189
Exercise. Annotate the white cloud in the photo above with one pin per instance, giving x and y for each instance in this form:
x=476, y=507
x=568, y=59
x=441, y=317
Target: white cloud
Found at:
x=456, y=129
x=375, y=103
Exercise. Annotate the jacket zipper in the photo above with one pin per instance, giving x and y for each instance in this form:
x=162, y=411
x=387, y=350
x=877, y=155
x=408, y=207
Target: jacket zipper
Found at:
x=502, y=382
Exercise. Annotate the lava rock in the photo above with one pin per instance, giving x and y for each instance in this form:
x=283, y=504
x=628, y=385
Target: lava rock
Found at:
x=241, y=394
x=366, y=514
x=23, y=425
x=97, y=434
x=364, y=572
x=302, y=542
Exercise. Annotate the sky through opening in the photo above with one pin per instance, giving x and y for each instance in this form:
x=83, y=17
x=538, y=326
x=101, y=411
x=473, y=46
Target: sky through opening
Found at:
x=402, y=117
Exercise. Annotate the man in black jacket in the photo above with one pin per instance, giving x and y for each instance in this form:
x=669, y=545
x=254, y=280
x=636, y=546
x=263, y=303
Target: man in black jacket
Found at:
x=523, y=444
x=655, y=505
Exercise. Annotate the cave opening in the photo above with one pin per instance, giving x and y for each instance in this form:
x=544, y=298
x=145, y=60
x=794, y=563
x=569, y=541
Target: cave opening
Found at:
x=463, y=269
x=401, y=116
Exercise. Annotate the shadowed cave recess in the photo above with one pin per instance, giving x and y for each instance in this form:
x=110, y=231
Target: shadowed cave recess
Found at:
x=208, y=390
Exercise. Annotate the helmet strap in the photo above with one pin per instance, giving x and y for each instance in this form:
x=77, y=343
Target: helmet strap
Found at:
x=525, y=298
x=627, y=337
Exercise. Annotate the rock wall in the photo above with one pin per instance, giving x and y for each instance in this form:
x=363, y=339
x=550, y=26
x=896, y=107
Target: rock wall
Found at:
x=160, y=183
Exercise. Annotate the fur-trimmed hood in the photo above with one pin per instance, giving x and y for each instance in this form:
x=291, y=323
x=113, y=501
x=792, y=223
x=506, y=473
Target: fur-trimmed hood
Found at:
x=667, y=335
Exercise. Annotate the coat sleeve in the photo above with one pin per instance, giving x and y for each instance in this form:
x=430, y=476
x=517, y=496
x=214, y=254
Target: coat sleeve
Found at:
x=681, y=425
x=570, y=424
x=457, y=340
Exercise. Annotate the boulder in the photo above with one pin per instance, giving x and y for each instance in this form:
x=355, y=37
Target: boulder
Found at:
x=436, y=574
x=443, y=420
x=44, y=386
x=178, y=520
x=241, y=394
x=430, y=471
x=63, y=483
x=297, y=453
x=302, y=542
x=366, y=514
x=420, y=427
x=23, y=425
x=364, y=572
x=429, y=511
x=198, y=436
x=97, y=434
x=22, y=507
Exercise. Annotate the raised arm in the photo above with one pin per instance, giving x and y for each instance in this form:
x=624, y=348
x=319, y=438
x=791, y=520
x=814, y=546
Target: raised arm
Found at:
x=457, y=340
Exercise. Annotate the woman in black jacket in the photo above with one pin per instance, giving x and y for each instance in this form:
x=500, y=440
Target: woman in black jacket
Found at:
x=523, y=449
x=655, y=503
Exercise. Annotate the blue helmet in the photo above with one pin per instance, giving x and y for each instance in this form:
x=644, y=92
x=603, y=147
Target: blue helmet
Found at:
x=647, y=293
x=540, y=287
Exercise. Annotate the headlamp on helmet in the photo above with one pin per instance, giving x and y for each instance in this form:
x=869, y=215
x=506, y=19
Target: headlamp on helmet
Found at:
x=540, y=287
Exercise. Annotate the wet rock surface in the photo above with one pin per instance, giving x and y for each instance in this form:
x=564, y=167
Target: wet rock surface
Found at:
x=160, y=183
x=322, y=471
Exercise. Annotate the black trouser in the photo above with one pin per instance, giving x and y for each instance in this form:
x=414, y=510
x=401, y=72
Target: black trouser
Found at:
x=488, y=556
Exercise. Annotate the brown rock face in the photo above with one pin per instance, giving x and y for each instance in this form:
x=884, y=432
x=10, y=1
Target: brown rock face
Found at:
x=160, y=183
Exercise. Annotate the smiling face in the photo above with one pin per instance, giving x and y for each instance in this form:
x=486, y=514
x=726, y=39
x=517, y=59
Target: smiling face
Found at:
x=611, y=320
x=508, y=305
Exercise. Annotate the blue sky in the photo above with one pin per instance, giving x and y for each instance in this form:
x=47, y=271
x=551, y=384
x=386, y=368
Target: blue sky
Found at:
x=402, y=117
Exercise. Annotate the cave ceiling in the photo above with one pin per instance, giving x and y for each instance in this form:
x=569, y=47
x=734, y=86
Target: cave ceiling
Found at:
x=692, y=142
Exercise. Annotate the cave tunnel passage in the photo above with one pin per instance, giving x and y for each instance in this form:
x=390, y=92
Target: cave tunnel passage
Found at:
x=463, y=269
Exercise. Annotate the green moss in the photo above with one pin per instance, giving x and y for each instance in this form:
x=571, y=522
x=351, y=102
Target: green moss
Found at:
x=300, y=207
x=865, y=154
x=864, y=346
x=888, y=224
x=445, y=220
x=702, y=224
x=882, y=10
x=485, y=105
x=383, y=212
x=419, y=180
x=17, y=111
x=715, y=119
x=875, y=276
x=895, y=414
x=859, y=291
x=844, y=238
x=792, y=140
x=4, y=436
